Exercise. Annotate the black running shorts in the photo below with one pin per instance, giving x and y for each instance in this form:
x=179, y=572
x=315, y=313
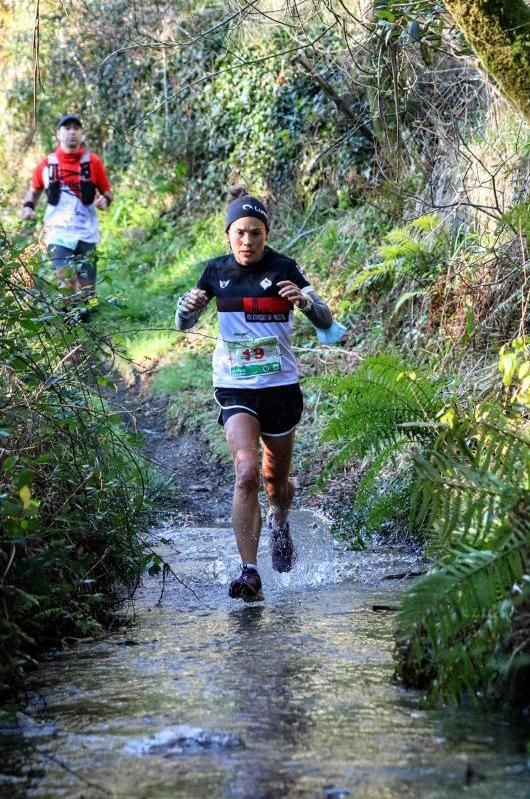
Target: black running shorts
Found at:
x=278, y=409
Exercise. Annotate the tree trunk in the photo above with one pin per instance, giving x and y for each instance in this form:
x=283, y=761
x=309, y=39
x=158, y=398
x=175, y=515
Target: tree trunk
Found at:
x=499, y=33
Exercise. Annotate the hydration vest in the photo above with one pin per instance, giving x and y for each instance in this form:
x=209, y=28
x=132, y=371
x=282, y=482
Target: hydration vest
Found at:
x=52, y=181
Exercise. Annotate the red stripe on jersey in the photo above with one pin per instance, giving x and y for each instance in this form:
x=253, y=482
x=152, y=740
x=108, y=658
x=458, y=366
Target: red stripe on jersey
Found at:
x=266, y=305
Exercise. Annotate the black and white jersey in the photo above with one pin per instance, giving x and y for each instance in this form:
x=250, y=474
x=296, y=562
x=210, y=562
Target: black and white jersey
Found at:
x=255, y=323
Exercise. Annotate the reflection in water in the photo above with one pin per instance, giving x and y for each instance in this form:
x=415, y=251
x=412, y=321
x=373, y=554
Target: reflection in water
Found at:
x=289, y=699
x=271, y=674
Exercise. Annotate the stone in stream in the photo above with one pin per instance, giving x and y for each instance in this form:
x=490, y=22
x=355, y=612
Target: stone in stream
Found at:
x=182, y=739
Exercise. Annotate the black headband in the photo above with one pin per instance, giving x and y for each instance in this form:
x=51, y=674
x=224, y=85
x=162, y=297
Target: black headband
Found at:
x=246, y=206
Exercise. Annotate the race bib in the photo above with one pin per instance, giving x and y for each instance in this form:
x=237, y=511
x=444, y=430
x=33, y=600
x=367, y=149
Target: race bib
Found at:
x=259, y=356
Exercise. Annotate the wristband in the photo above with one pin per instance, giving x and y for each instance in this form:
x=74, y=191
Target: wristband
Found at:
x=29, y=204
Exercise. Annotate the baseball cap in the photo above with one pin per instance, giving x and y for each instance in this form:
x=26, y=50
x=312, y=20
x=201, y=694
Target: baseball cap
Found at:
x=69, y=118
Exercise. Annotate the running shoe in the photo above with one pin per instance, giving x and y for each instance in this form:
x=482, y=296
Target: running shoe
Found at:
x=282, y=548
x=246, y=587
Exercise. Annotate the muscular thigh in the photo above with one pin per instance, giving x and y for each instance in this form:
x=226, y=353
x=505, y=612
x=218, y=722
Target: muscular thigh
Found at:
x=242, y=435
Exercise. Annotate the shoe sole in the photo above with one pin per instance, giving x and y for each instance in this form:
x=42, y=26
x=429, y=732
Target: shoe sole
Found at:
x=245, y=593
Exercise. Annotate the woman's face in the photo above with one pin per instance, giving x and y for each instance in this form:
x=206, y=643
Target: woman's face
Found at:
x=247, y=237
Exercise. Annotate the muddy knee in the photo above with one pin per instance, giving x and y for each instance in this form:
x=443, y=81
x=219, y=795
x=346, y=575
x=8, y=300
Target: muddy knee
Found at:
x=247, y=474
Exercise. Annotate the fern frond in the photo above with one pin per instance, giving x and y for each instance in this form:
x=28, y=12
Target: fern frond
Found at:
x=343, y=456
x=472, y=491
x=464, y=589
x=455, y=620
x=384, y=401
x=51, y=614
x=392, y=504
x=405, y=297
x=373, y=275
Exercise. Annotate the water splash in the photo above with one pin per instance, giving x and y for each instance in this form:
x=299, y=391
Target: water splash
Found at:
x=183, y=738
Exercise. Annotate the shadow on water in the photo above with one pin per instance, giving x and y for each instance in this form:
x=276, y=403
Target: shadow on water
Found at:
x=289, y=698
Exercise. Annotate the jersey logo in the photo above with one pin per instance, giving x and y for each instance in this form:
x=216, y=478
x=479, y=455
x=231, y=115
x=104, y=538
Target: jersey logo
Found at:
x=265, y=283
x=224, y=283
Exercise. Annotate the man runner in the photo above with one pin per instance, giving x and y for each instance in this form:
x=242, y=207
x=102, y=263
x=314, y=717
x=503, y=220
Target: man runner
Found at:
x=76, y=184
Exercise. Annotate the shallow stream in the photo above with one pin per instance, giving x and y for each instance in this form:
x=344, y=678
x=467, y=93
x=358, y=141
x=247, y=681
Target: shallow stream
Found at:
x=289, y=698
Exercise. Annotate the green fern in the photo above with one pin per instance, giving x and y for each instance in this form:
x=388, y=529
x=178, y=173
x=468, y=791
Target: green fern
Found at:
x=384, y=411
x=472, y=487
x=456, y=622
x=390, y=505
x=405, y=250
x=382, y=403
x=407, y=296
x=367, y=483
x=456, y=619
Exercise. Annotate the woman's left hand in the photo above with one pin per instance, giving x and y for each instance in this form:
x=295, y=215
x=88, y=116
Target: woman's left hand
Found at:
x=291, y=292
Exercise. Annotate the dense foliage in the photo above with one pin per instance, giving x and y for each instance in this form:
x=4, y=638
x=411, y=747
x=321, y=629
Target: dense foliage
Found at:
x=474, y=486
x=71, y=488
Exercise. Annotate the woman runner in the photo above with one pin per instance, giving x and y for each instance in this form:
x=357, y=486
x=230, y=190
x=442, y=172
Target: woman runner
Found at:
x=255, y=375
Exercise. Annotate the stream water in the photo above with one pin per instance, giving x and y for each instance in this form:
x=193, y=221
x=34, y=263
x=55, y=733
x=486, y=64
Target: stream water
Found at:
x=289, y=698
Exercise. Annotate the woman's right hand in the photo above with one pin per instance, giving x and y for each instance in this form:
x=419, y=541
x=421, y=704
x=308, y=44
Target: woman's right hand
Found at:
x=194, y=300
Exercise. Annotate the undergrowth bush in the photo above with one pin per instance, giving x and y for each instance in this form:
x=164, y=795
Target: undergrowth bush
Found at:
x=465, y=627
x=411, y=251
x=71, y=487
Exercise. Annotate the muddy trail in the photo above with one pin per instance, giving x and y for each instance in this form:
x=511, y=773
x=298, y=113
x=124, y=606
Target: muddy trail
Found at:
x=291, y=698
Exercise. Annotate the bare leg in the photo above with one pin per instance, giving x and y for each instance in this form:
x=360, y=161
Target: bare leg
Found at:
x=66, y=280
x=87, y=286
x=242, y=434
x=277, y=453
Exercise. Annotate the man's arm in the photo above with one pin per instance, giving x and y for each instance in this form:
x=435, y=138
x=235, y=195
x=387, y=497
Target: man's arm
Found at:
x=99, y=176
x=30, y=201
